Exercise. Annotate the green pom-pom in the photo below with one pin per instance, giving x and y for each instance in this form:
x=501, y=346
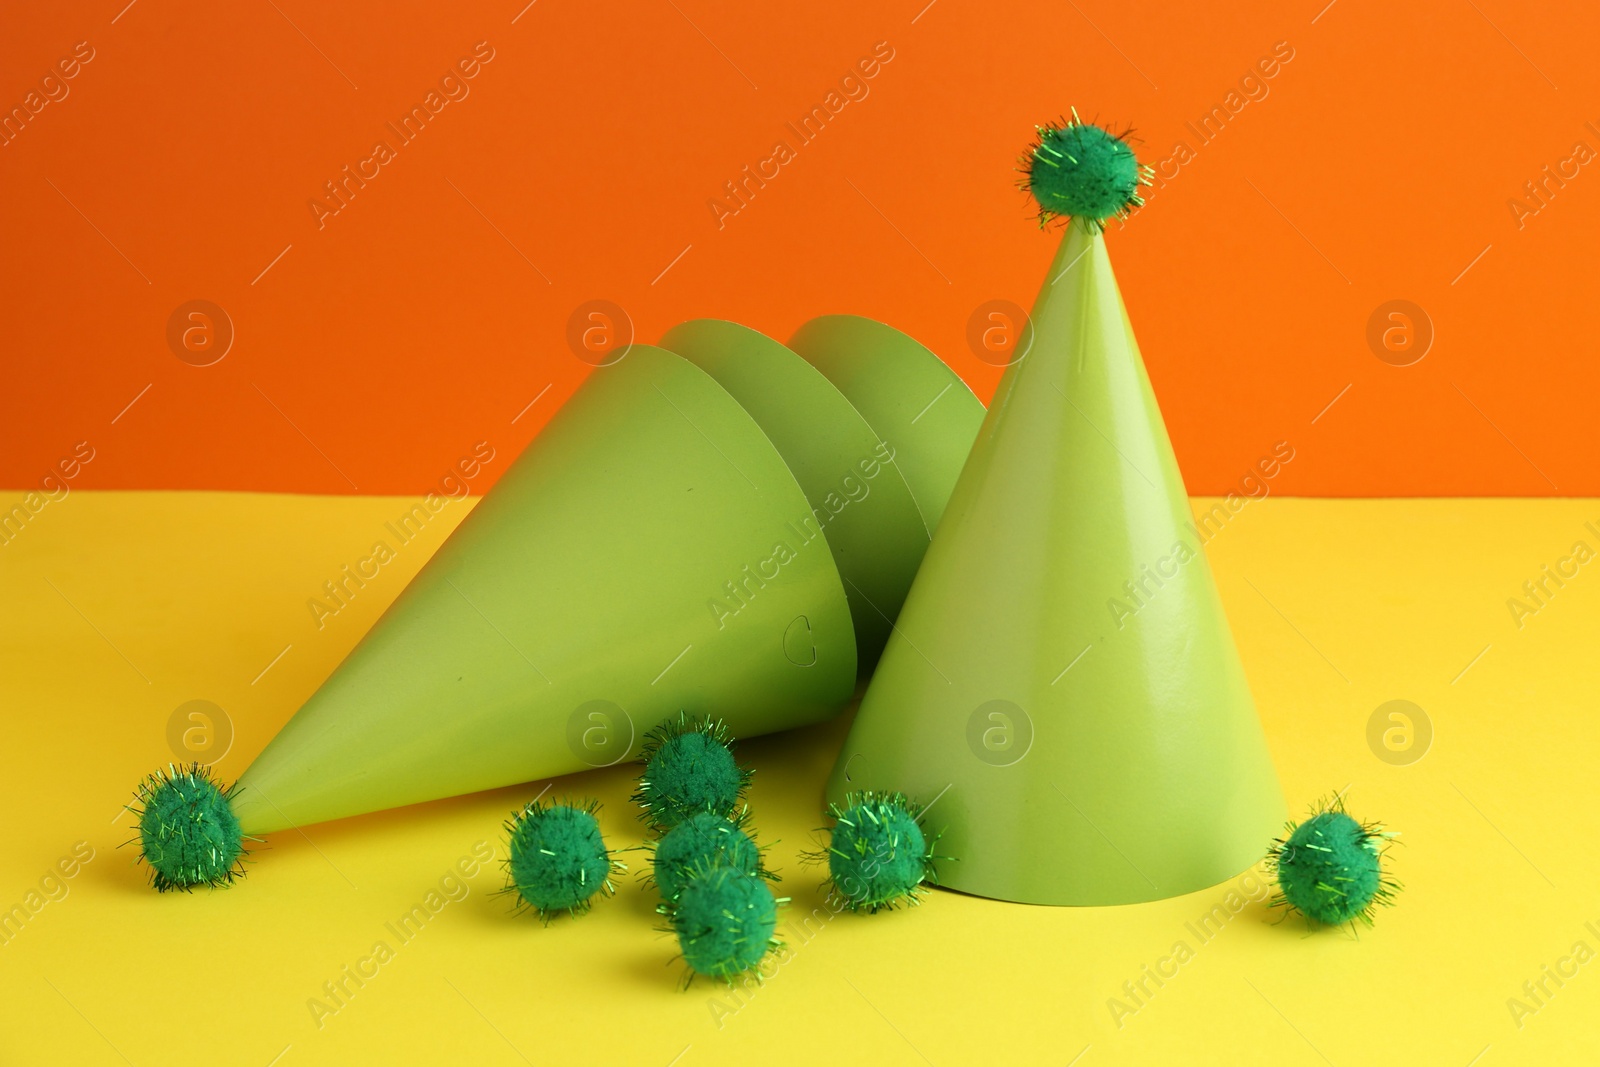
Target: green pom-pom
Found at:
x=878, y=856
x=688, y=768
x=724, y=919
x=1079, y=170
x=558, y=860
x=704, y=840
x=1330, y=867
x=188, y=833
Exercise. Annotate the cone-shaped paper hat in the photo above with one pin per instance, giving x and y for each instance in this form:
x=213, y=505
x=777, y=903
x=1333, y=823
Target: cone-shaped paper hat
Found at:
x=1062, y=685
x=859, y=498
x=587, y=597
x=908, y=395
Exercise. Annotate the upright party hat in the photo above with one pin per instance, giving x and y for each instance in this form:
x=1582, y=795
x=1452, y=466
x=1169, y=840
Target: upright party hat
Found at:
x=582, y=601
x=1062, y=689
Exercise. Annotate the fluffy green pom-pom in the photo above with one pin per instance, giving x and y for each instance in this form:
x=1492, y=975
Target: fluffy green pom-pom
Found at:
x=705, y=840
x=1330, y=868
x=724, y=919
x=188, y=833
x=878, y=856
x=558, y=860
x=688, y=768
x=1079, y=170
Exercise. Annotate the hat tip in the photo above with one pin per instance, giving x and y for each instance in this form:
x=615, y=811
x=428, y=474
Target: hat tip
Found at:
x=1083, y=171
x=188, y=833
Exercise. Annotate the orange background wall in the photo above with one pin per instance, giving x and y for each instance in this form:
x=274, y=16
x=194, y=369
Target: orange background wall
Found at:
x=374, y=350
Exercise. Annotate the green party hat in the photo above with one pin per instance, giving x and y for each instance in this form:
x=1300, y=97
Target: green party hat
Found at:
x=1062, y=690
x=907, y=393
x=860, y=499
x=646, y=555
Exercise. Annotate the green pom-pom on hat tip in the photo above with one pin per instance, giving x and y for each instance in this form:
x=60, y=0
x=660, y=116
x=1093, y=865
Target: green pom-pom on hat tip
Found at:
x=556, y=858
x=1080, y=170
x=188, y=834
x=702, y=840
x=725, y=920
x=1331, y=867
x=878, y=855
x=689, y=767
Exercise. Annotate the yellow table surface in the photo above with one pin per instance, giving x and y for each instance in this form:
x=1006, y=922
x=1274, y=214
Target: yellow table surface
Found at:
x=120, y=607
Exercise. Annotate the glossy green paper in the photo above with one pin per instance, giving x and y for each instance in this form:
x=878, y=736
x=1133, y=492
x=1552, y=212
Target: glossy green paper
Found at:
x=1063, y=686
x=645, y=553
x=859, y=498
x=906, y=393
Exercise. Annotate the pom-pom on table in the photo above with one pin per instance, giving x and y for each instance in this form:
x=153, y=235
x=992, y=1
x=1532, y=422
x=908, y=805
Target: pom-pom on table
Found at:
x=688, y=768
x=557, y=861
x=699, y=839
x=1333, y=869
x=877, y=854
x=724, y=919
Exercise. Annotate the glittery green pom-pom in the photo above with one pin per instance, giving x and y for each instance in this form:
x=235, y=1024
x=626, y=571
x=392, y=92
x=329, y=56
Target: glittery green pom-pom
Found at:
x=1082, y=171
x=878, y=857
x=704, y=840
x=724, y=919
x=1330, y=868
x=558, y=861
x=688, y=768
x=187, y=830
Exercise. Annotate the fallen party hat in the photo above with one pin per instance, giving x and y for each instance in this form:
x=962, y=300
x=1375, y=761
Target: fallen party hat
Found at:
x=587, y=597
x=907, y=394
x=861, y=504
